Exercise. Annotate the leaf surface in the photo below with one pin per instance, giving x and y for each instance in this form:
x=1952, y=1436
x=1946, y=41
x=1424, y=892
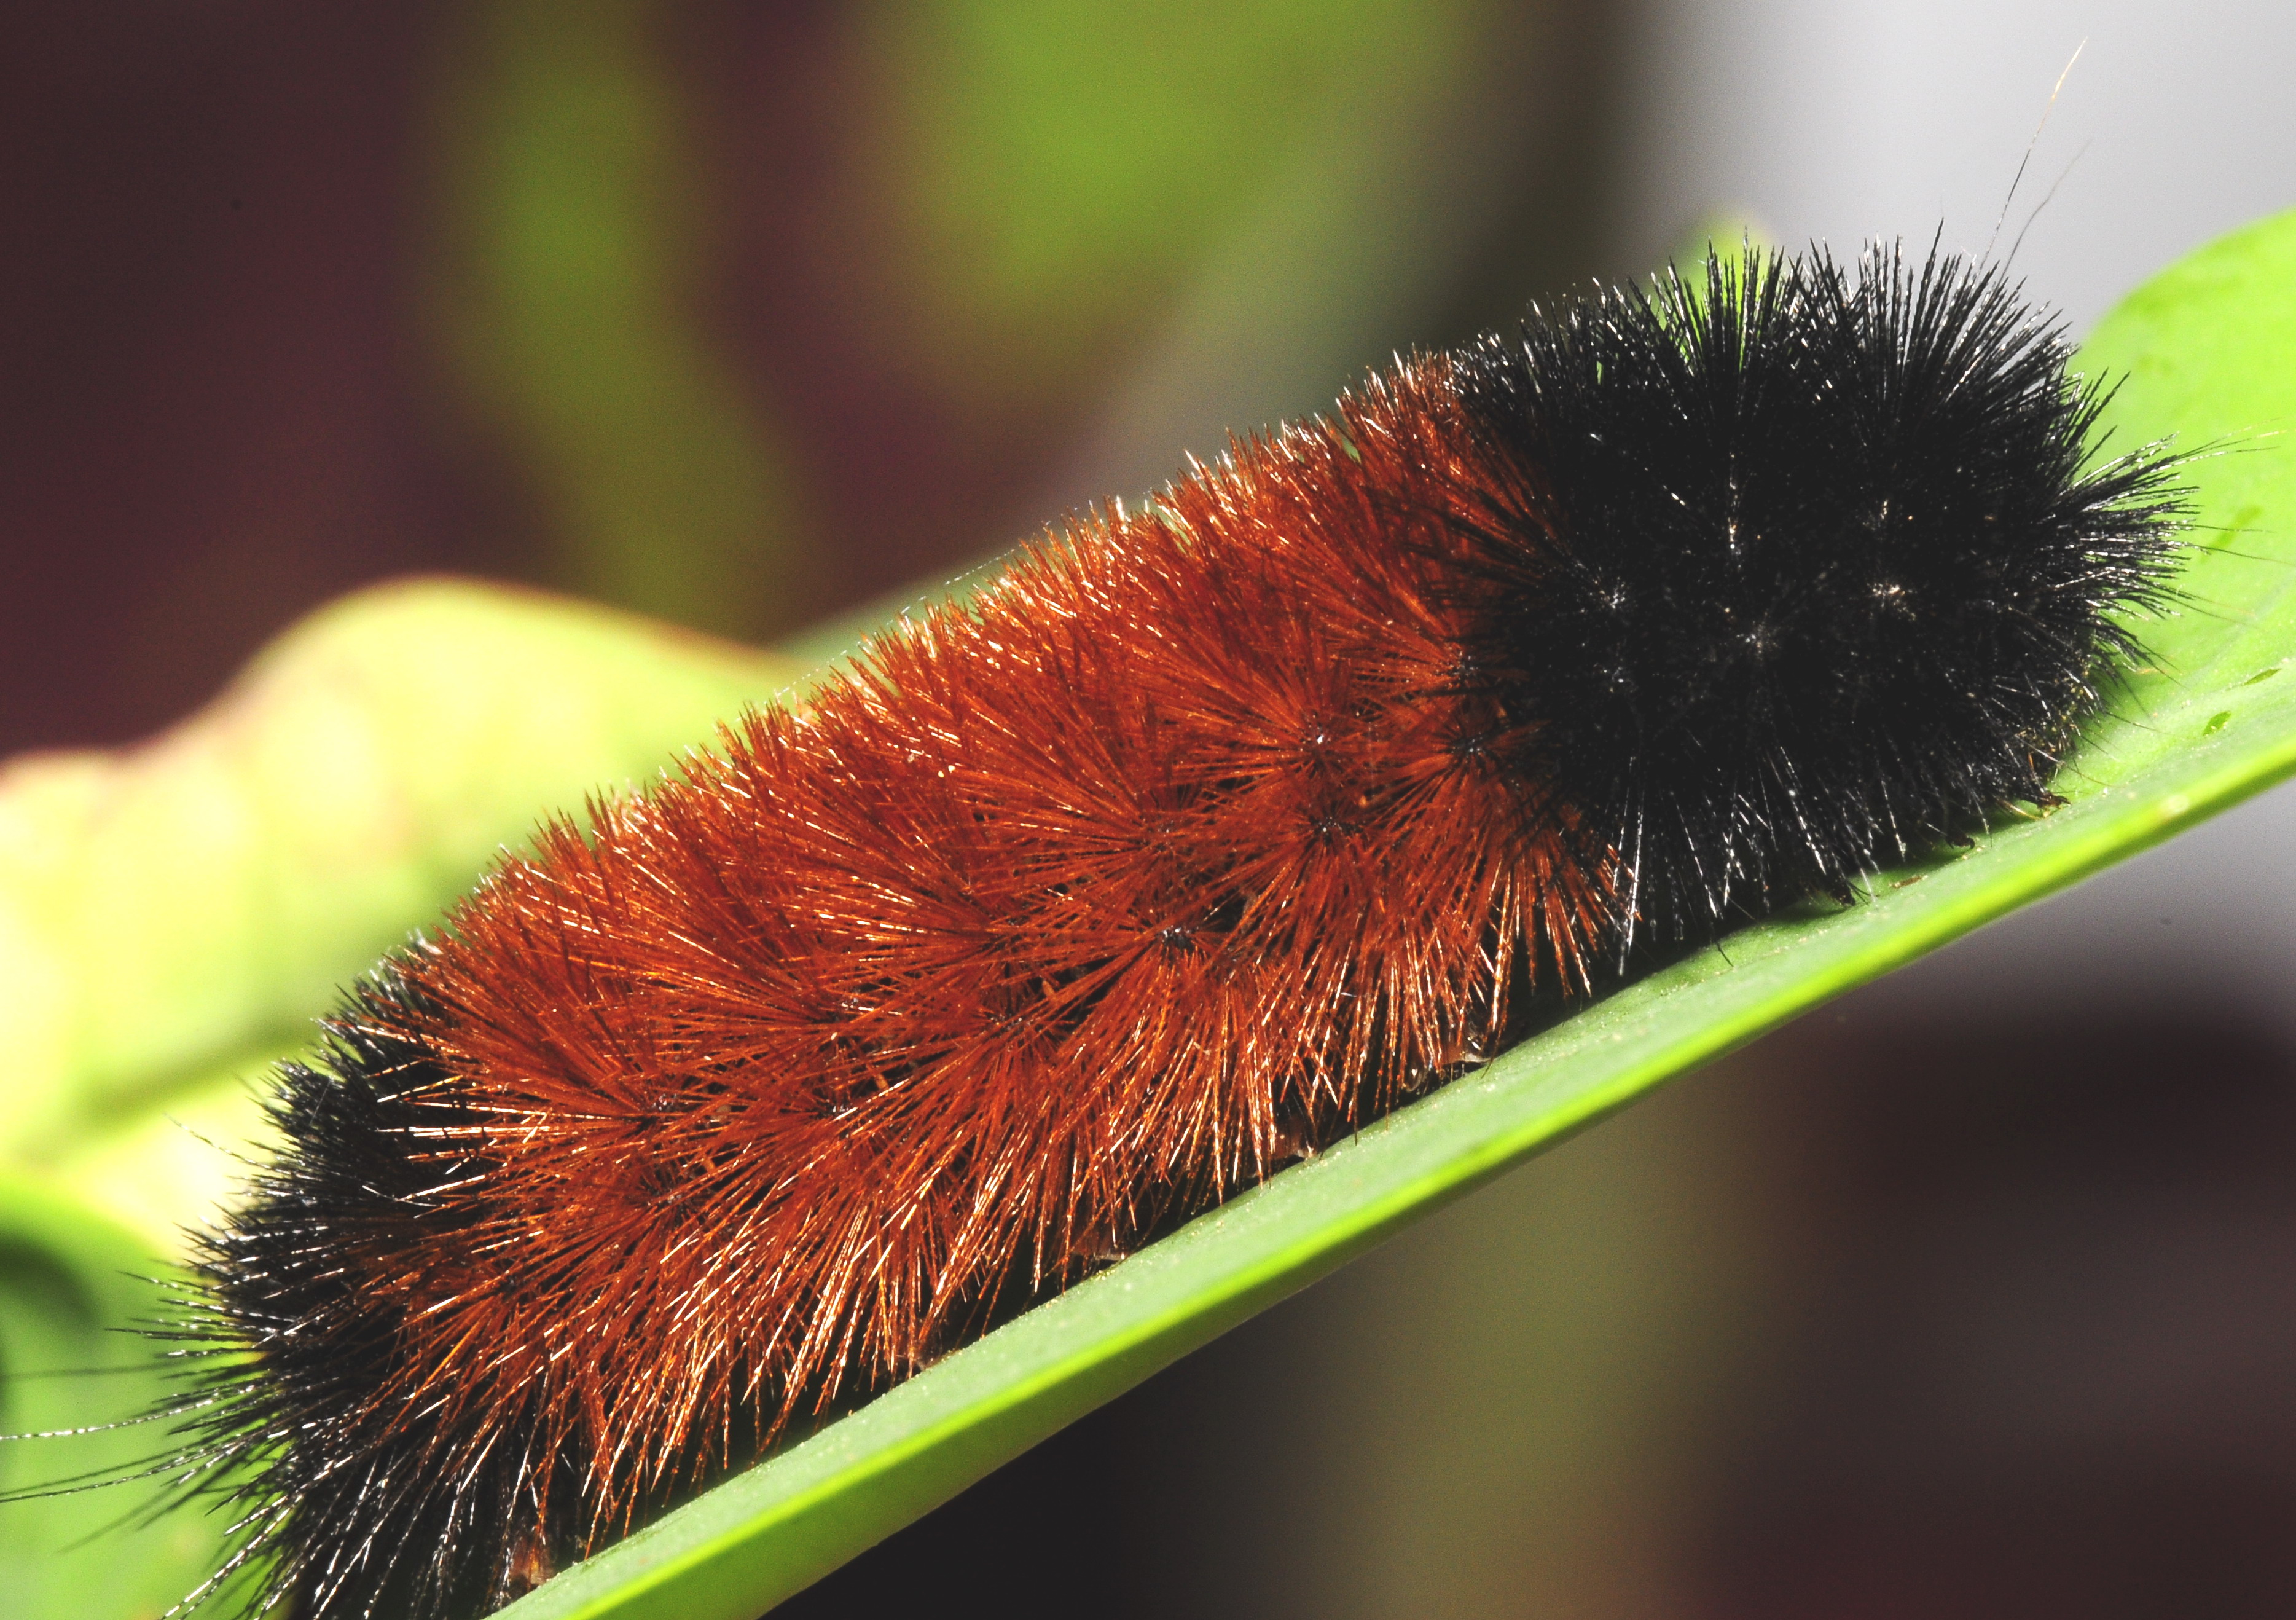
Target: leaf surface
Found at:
x=174, y=915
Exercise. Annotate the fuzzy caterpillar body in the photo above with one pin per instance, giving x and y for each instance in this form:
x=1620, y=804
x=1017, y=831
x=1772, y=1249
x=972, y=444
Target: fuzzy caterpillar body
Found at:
x=1208, y=831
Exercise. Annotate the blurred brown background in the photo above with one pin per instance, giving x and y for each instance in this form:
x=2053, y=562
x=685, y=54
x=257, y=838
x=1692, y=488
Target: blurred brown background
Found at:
x=1976, y=1295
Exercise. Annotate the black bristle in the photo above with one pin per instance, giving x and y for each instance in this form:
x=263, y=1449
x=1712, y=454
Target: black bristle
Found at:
x=348, y=1510
x=1808, y=569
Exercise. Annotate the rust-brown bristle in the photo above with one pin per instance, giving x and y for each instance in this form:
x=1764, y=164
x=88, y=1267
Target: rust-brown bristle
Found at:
x=1064, y=910
x=1210, y=830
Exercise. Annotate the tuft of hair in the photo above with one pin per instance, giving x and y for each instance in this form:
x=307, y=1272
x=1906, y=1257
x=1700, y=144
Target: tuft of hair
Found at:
x=1208, y=831
x=1802, y=570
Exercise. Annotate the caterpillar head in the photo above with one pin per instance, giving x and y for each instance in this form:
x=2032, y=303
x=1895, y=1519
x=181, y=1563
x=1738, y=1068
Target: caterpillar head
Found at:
x=1804, y=566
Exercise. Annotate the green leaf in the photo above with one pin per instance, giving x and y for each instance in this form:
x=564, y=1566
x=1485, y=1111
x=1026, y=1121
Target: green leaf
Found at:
x=173, y=916
x=1054, y=220
x=566, y=293
x=68, y=1279
x=2208, y=352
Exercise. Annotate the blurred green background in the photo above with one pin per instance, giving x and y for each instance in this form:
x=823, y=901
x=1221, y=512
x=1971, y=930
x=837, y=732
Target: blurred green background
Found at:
x=1973, y=1296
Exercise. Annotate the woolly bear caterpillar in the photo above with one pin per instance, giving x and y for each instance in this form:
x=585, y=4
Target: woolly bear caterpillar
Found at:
x=1209, y=830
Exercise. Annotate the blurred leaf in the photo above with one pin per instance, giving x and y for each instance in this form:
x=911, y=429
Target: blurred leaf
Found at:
x=1056, y=170
x=2209, y=351
x=172, y=916
x=567, y=291
x=68, y=1281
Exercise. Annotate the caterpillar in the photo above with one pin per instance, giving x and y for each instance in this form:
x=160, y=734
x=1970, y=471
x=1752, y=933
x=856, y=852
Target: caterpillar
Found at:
x=1212, y=828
